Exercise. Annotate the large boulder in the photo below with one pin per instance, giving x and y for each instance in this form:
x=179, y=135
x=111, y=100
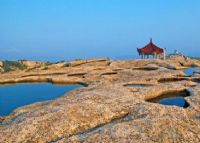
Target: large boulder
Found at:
x=32, y=64
x=1, y=63
x=185, y=61
x=1, y=66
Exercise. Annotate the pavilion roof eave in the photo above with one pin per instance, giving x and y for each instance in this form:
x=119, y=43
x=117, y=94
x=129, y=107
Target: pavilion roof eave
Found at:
x=150, y=49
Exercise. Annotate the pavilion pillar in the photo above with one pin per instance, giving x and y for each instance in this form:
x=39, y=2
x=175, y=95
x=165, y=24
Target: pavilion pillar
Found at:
x=153, y=55
x=164, y=54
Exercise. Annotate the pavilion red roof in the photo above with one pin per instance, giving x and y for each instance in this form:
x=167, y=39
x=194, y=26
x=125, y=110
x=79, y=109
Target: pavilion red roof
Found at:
x=151, y=48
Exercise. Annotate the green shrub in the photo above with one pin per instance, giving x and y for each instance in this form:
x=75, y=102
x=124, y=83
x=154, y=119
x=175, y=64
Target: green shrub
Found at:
x=48, y=63
x=13, y=65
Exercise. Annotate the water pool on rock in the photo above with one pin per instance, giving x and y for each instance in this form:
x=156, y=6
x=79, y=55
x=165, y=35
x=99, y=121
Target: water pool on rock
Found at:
x=172, y=99
x=17, y=95
x=191, y=71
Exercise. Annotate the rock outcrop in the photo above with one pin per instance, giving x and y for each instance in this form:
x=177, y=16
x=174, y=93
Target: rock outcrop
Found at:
x=1, y=66
x=107, y=110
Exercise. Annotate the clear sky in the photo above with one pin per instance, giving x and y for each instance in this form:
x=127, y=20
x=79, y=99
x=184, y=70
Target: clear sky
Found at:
x=71, y=29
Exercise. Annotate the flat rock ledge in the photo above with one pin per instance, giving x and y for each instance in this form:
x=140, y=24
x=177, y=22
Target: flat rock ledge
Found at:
x=107, y=109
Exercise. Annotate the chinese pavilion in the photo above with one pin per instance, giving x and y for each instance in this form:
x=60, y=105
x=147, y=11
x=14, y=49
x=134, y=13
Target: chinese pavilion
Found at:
x=153, y=50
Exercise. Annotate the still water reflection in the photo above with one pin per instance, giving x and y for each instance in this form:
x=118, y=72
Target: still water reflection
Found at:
x=17, y=95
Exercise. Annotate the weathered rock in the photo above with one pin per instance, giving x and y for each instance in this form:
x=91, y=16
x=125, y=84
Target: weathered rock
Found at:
x=31, y=64
x=57, y=65
x=88, y=62
x=1, y=63
x=107, y=110
x=186, y=61
x=1, y=70
x=1, y=119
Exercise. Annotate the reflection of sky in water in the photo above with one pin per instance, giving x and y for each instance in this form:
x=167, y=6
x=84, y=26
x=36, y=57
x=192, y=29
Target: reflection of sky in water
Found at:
x=17, y=95
x=178, y=101
x=190, y=71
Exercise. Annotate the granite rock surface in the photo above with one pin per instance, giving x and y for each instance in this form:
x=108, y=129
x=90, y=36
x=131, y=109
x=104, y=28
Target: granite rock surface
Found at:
x=110, y=108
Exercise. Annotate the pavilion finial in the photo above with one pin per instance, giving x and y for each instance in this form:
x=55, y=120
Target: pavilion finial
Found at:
x=151, y=40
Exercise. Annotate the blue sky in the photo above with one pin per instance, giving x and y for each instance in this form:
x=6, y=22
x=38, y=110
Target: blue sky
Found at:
x=72, y=29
